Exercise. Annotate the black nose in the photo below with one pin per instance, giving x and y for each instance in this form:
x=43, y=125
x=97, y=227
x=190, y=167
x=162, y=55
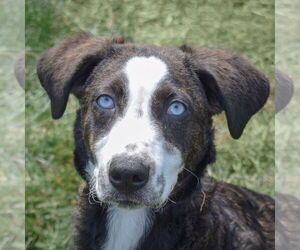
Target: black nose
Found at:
x=128, y=174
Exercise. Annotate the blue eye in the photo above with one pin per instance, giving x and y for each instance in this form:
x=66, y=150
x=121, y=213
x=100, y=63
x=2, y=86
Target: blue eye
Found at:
x=105, y=102
x=176, y=108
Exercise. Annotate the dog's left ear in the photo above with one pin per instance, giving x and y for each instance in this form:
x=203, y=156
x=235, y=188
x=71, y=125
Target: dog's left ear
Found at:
x=231, y=84
x=64, y=68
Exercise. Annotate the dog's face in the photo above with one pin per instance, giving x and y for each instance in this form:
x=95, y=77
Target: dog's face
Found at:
x=145, y=110
x=143, y=113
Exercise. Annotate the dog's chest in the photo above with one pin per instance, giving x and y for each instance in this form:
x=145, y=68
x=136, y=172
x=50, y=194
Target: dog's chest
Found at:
x=125, y=228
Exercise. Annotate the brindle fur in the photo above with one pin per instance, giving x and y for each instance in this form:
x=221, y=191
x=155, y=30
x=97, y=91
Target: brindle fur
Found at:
x=207, y=214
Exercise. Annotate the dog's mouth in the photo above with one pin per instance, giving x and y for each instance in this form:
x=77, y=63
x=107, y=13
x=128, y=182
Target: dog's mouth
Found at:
x=128, y=204
x=131, y=203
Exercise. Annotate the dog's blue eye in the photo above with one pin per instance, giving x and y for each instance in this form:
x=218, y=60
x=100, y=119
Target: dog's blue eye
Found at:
x=105, y=102
x=176, y=108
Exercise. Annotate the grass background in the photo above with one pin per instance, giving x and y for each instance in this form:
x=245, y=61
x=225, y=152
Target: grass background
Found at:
x=12, y=128
x=288, y=121
x=240, y=25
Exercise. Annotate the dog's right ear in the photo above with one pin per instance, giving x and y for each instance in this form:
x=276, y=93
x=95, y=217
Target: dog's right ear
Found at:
x=64, y=68
x=231, y=84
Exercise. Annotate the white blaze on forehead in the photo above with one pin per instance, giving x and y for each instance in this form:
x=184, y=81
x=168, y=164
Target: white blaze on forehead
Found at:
x=145, y=73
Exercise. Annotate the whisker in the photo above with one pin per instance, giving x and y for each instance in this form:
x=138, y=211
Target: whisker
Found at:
x=160, y=208
x=94, y=199
x=203, y=201
x=198, y=181
x=92, y=194
x=89, y=199
x=174, y=202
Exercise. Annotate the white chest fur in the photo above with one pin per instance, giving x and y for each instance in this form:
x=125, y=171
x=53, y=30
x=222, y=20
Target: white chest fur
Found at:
x=125, y=228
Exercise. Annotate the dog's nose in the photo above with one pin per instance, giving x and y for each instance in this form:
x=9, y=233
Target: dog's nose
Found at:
x=128, y=174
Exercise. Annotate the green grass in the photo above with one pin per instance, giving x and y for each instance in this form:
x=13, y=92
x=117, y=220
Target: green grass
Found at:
x=12, y=128
x=288, y=121
x=240, y=25
x=287, y=151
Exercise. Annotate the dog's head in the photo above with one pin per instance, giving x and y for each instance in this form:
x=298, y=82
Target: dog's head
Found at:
x=146, y=110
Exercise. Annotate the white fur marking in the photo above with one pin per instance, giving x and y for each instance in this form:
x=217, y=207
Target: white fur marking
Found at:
x=143, y=74
x=126, y=228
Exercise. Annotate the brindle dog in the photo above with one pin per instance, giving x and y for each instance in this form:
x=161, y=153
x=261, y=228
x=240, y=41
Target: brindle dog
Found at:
x=146, y=116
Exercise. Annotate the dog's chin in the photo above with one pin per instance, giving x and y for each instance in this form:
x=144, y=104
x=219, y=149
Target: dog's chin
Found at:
x=127, y=204
x=131, y=203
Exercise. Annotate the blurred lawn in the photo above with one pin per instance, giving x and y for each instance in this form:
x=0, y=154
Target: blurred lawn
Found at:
x=241, y=25
x=12, y=128
x=288, y=121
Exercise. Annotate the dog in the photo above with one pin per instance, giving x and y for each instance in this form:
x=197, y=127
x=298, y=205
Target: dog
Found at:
x=144, y=137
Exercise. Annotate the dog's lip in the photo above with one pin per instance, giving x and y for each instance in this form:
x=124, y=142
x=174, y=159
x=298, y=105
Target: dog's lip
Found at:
x=132, y=202
x=128, y=204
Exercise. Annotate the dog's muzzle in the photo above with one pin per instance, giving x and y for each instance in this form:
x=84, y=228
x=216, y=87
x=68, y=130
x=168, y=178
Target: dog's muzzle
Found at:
x=129, y=174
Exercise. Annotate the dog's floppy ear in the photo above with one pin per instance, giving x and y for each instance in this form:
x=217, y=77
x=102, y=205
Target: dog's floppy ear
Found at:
x=231, y=84
x=64, y=68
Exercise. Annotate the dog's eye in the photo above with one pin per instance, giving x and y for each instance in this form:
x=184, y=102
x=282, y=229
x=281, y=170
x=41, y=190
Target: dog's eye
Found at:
x=176, y=108
x=105, y=102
